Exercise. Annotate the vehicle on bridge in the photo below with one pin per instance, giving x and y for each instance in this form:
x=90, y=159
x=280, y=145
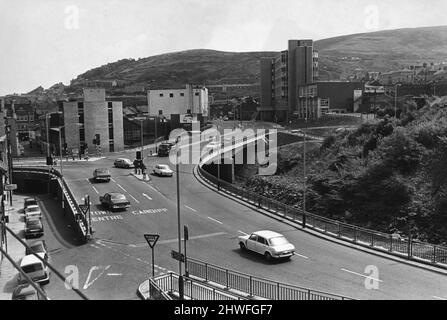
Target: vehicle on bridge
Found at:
x=114, y=201
x=268, y=243
x=163, y=170
x=32, y=212
x=29, y=202
x=39, y=246
x=123, y=163
x=101, y=174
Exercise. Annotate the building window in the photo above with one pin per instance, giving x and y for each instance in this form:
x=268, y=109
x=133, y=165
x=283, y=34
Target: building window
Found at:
x=111, y=133
x=196, y=94
x=171, y=95
x=188, y=111
x=182, y=94
x=160, y=112
x=161, y=94
x=111, y=146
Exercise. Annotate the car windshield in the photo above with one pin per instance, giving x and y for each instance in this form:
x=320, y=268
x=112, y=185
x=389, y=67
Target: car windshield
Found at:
x=36, y=248
x=33, y=223
x=163, y=167
x=102, y=171
x=118, y=197
x=278, y=241
x=32, y=267
x=32, y=209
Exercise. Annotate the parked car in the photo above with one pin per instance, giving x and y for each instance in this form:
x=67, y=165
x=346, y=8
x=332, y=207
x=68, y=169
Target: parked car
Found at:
x=163, y=170
x=101, y=174
x=35, y=269
x=114, y=201
x=33, y=228
x=26, y=292
x=39, y=247
x=33, y=212
x=164, y=149
x=123, y=163
x=268, y=243
x=29, y=202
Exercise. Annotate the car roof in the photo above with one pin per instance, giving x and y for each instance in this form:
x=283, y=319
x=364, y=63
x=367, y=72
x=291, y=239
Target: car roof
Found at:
x=116, y=194
x=30, y=259
x=268, y=234
x=123, y=159
x=33, y=221
x=101, y=169
x=30, y=199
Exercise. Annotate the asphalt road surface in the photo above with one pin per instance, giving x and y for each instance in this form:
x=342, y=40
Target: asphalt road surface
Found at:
x=118, y=259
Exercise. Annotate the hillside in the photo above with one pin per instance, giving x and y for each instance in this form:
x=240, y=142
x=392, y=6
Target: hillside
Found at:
x=385, y=175
x=377, y=51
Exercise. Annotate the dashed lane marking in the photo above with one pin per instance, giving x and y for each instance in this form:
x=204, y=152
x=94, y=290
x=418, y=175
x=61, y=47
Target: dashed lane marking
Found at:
x=121, y=187
x=191, y=208
x=146, y=196
x=245, y=234
x=300, y=255
x=134, y=199
x=362, y=275
x=215, y=220
x=95, y=190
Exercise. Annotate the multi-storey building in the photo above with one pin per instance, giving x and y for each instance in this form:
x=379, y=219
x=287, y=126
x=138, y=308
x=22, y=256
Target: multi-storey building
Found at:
x=179, y=105
x=90, y=117
x=281, y=76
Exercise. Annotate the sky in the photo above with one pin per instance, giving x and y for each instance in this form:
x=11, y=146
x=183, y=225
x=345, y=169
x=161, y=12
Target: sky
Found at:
x=43, y=42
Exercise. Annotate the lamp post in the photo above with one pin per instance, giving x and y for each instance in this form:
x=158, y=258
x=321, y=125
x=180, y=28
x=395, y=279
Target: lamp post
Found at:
x=178, y=219
x=395, y=99
x=304, y=172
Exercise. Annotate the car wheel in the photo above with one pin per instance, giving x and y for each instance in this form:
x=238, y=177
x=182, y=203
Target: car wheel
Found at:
x=268, y=256
x=242, y=246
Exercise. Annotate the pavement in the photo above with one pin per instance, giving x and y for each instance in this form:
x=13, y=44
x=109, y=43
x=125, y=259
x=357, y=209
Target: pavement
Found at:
x=8, y=274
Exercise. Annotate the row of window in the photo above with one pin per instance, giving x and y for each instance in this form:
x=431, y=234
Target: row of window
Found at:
x=171, y=95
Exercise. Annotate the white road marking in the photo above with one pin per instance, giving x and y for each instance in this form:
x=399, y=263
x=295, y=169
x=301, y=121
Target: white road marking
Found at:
x=114, y=274
x=87, y=180
x=245, y=234
x=121, y=187
x=362, y=275
x=95, y=190
x=439, y=298
x=153, y=188
x=191, y=209
x=139, y=245
x=145, y=195
x=92, y=245
x=113, y=180
x=88, y=283
x=134, y=198
x=215, y=220
x=300, y=255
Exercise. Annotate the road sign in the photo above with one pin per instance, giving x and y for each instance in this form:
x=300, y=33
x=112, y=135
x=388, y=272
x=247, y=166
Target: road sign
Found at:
x=151, y=239
x=10, y=187
x=178, y=256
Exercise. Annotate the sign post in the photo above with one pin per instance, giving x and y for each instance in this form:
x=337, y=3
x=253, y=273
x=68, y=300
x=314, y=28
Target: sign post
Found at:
x=152, y=240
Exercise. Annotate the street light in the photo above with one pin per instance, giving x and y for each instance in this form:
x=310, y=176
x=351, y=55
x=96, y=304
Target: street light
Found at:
x=395, y=99
x=304, y=172
x=178, y=218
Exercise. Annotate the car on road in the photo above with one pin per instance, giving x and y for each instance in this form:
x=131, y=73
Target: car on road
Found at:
x=29, y=202
x=35, y=269
x=33, y=212
x=33, y=228
x=268, y=243
x=26, y=292
x=163, y=170
x=101, y=174
x=164, y=149
x=123, y=163
x=114, y=201
x=38, y=247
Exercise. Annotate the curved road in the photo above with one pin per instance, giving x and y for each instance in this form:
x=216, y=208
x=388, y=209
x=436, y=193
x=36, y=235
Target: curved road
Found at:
x=118, y=259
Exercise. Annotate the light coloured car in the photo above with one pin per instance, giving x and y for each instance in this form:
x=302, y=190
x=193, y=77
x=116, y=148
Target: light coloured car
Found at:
x=123, y=163
x=163, y=170
x=35, y=269
x=268, y=243
x=33, y=212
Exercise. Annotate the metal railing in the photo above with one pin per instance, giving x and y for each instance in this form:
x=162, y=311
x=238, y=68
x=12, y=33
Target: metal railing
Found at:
x=165, y=287
x=255, y=286
x=405, y=248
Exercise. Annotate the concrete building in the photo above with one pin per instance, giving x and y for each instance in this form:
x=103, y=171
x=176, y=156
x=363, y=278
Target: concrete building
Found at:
x=331, y=96
x=192, y=100
x=89, y=116
x=282, y=75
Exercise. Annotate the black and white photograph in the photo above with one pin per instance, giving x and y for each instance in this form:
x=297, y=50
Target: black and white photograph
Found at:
x=217, y=157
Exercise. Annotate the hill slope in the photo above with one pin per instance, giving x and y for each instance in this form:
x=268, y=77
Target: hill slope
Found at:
x=377, y=51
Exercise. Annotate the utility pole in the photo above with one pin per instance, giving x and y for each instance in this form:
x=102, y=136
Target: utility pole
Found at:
x=180, y=280
x=304, y=172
